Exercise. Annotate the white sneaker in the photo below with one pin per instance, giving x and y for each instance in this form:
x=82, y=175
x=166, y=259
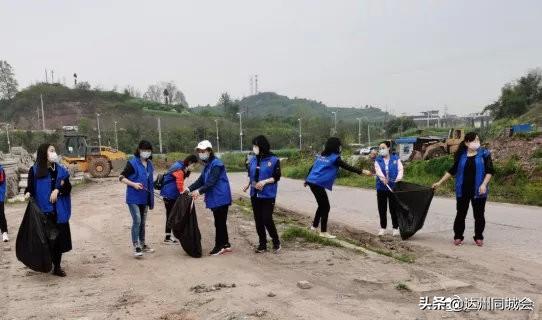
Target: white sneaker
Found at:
x=395, y=233
x=138, y=252
x=147, y=249
x=5, y=237
x=381, y=232
x=311, y=228
x=327, y=235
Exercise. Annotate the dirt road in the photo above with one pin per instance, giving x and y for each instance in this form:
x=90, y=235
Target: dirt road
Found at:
x=105, y=282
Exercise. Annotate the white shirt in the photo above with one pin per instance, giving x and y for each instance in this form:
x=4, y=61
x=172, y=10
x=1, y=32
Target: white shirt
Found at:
x=381, y=175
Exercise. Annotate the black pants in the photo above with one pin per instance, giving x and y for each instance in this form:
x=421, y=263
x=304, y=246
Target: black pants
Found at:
x=56, y=257
x=263, y=216
x=169, y=205
x=384, y=199
x=221, y=236
x=322, y=212
x=478, y=208
x=3, y=223
x=63, y=241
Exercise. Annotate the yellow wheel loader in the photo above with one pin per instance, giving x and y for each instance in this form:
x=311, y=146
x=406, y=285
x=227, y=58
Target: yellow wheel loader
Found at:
x=99, y=161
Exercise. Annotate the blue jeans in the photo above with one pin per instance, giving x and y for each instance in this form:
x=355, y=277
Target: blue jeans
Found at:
x=139, y=215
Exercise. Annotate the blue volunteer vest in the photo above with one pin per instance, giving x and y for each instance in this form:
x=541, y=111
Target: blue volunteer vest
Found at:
x=145, y=177
x=42, y=193
x=3, y=185
x=479, y=175
x=324, y=171
x=219, y=194
x=267, y=167
x=169, y=187
x=391, y=174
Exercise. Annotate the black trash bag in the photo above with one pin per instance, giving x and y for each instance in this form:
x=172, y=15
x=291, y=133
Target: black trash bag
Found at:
x=184, y=225
x=412, y=202
x=34, y=239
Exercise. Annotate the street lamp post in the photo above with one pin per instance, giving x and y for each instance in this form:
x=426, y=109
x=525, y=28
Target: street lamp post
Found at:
x=99, y=133
x=241, y=128
x=359, y=131
x=300, y=141
x=217, y=138
x=368, y=134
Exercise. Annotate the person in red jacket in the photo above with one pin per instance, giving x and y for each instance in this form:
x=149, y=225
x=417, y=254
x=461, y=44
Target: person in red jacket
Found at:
x=173, y=186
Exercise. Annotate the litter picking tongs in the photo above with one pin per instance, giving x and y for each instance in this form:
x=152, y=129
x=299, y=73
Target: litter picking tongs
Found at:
x=387, y=185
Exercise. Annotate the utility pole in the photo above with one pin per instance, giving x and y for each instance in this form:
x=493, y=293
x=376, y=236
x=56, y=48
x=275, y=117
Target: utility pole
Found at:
x=368, y=134
x=7, y=134
x=99, y=133
x=217, y=138
x=300, y=139
x=52, y=76
x=160, y=134
x=359, y=131
x=335, y=122
x=42, y=114
x=241, y=128
x=116, y=137
x=46, y=76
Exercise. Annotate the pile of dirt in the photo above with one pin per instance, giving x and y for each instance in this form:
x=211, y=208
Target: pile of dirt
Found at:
x=519, y=148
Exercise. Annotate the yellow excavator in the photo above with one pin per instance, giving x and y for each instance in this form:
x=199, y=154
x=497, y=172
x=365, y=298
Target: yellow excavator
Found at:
x=99, y=161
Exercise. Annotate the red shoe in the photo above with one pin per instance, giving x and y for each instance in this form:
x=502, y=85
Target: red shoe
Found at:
x=458, y=242
x=479, y=242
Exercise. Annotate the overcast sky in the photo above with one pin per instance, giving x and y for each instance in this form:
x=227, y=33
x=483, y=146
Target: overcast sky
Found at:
x=408, y=55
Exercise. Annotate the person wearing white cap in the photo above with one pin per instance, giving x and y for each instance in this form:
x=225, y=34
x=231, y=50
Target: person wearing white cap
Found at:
x=214, y=184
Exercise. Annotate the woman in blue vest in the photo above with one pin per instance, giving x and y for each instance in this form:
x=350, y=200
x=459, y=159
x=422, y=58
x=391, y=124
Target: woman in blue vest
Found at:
x=321, y=176
x=3, y=222
x=214, y=184
x=138, y=176
x=473, y=168
x=49, y=185
x=388, y=170
x=173, y=186
x=263, y=174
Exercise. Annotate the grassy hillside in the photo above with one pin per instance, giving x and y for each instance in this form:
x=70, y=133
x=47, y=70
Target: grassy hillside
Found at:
x=272, y=105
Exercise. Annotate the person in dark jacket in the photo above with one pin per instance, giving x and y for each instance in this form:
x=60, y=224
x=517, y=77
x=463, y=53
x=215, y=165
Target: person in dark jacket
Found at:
x=214, y=184
x=49, y=184
x=388, y=170
x=3, y=222
x=473, y=169
x=138, y=177
x=173, y=186
x=263, y=175
x=321, y=176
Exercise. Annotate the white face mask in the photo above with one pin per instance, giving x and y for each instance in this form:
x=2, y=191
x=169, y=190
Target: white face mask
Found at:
x=256, y=150
x=52, y=156
x=474, y=145
x=145, y=154
x=203, y=156
x=383, y=152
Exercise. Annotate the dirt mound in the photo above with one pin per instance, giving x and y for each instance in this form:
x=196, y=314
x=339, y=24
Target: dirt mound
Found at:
x=520, y=149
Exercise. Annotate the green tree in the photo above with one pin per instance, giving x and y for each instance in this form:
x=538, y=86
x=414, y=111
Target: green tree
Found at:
x=398, y=125
x=231, y=108
x=8, y=83
x=516, y=98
